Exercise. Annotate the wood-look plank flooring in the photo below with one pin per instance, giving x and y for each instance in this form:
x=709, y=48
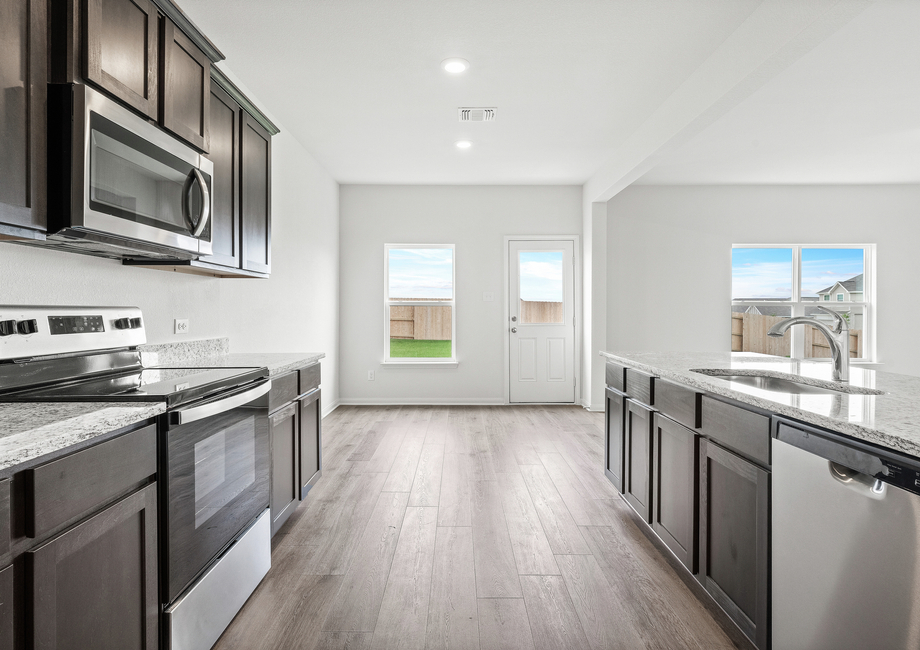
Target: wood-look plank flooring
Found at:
x=468, y=528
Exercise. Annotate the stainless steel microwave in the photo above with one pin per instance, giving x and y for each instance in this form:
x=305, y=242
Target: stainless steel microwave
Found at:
x=119, y=186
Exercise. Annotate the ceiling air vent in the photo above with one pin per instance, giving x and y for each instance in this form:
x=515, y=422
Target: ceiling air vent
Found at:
x=477, y=114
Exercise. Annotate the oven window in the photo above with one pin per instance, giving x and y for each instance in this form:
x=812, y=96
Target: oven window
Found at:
x=225, y=465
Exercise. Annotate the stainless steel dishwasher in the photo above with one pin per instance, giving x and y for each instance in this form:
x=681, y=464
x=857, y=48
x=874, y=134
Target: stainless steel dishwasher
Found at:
x=846, y=543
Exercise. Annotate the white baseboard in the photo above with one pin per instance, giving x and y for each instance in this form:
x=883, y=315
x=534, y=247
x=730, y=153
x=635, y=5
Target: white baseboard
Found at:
x=329, y=408
x=425, y=401
x=595, y=408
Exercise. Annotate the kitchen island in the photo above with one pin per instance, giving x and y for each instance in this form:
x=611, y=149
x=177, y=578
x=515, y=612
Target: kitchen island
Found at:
x=693, y=444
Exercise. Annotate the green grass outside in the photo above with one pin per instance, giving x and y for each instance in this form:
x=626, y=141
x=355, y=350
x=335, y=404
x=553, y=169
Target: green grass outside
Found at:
x=400, y=348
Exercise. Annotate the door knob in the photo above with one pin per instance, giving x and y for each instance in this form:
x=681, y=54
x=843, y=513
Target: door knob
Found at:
x=514, y=319
x=514, y=330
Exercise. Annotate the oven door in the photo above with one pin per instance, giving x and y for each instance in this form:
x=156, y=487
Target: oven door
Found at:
x=216, y=474
x=136, y=181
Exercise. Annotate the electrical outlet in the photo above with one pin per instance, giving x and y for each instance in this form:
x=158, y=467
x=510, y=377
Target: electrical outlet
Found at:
x=181, y=326
x=488, y=296
x=370, y=375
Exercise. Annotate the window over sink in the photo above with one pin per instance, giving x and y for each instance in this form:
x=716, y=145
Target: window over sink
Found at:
x=771, y=282
x=419, y=302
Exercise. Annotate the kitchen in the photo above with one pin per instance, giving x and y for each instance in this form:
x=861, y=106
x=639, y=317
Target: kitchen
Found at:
x=716, y=146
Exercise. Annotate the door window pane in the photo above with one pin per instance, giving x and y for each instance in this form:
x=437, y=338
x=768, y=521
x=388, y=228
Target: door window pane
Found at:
x=761, y=274
x=832, y=274
x=541, y=293
x=421, y=273
x=750, y=324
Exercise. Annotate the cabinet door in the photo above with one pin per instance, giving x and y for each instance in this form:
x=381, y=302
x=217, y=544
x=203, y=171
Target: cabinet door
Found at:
x=613, y=437
x=311, y=441
x=185, y=87
x=255, y=189
x=675, y=488
x=95, y=586
x=285, y=493
x=637, y=473
x=121, y=51
x=23, y=93
x=223, y=151
x=734, y=537
x=7, y=641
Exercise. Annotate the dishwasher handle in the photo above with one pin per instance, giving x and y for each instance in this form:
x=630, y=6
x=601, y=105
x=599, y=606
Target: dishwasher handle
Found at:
x=863, y=483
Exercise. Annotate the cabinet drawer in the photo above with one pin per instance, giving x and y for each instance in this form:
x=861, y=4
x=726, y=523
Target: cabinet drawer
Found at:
x=309, y=378
x=65, y=489
x=741, y=430
x=678, y=402
x=640, y=386
x=284, y=390
x=616, y=376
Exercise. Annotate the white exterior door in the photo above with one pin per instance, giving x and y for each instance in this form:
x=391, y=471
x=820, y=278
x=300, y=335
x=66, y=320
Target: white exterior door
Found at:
x=542, y=321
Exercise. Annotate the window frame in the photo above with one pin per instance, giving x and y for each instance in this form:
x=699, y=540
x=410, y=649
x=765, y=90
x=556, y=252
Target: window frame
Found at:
x=868, y=304
x=451, y=361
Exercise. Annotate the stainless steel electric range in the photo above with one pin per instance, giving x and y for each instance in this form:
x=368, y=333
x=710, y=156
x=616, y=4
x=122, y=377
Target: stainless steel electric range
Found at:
x=213, y=451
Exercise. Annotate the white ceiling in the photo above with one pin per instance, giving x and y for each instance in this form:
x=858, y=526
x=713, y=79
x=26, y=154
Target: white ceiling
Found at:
x=846, y=112
x=599, y=90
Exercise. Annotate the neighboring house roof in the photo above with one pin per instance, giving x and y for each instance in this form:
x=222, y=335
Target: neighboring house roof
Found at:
x=764, y=310
x=854, y=284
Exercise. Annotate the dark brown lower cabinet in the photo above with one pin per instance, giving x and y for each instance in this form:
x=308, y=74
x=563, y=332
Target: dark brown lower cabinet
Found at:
x=6, y=609
x=311, y=440
x=735, y=538
x=284, y=429
x=637, y=472
x=95, y=586
x=675, y=488
x=613, y=437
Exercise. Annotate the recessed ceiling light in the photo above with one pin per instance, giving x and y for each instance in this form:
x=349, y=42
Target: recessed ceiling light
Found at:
x=464, y=144
x=455, y=65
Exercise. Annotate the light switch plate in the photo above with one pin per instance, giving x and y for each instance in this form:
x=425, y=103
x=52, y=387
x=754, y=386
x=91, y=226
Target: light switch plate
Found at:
x=488, y=296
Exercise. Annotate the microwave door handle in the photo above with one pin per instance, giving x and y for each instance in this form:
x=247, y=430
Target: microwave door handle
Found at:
x=211, y=409
x=205, y=214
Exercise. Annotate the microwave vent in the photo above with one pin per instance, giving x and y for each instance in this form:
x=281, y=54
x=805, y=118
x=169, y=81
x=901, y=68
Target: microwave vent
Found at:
x=477, y=114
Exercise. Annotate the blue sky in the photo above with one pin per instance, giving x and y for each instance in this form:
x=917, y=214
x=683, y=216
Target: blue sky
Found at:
x=421, y=273
x=541, y=275
x=766, y=273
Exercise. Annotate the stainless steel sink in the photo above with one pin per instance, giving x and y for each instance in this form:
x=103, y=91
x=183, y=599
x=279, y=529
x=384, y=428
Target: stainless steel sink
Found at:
x=789, y=386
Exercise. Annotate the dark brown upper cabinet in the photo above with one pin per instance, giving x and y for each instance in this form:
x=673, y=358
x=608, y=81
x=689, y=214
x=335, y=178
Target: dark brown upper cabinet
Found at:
x=23, y=83
x=144, y=54
x=224, y=152
x=255, y=188
x=186, y=87
x=121, y=51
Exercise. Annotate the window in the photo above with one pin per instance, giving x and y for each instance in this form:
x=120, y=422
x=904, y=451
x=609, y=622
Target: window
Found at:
x=420, y=314
x=770, y=283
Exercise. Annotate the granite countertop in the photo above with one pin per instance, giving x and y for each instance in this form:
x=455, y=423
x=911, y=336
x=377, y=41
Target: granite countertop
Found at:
x=277, y=363
x=891, y=420
x=29, y=432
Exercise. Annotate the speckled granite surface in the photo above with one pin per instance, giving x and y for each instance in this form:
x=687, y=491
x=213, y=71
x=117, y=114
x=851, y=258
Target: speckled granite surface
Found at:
x=176, y=352
x=31, y=431
x=891, y=420
x=277, y=363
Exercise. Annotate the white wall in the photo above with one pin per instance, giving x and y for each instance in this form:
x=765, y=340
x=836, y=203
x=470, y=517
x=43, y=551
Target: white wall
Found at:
x=475, y=218
x=296, y=310
x=669, y=257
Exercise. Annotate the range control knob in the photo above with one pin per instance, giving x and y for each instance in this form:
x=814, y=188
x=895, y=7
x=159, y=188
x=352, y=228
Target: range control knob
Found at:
x=135, y=323
x=122, y=323
x=27, y=326
x=7, y=327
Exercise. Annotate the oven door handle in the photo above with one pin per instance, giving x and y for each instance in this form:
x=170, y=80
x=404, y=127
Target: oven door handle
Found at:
x=210, y=409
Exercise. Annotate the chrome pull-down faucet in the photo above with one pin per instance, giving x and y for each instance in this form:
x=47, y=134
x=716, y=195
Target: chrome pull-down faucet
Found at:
x=837, y=337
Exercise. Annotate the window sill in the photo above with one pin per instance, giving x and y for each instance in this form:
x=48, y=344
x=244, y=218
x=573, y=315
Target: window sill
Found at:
x=420, y=364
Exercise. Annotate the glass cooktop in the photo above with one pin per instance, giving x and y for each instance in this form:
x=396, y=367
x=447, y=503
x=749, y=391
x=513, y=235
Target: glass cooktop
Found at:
x=171, y=385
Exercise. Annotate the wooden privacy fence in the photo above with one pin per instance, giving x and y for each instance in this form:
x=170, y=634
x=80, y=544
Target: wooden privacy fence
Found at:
x=538, y=311
x=749, y=334
x=420, y=323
